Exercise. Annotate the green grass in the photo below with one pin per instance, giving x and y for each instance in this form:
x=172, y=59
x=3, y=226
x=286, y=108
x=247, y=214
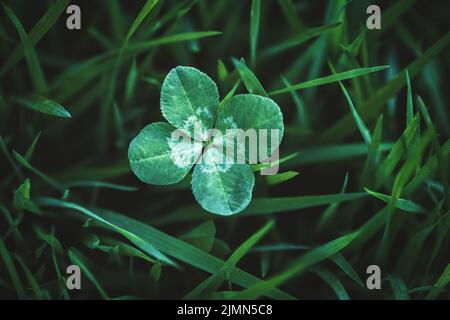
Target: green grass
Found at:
x=364, y=161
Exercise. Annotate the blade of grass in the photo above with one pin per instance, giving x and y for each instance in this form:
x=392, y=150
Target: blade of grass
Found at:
x=441, y=162
x=38, y=293
x=31, y=148
x=37, y=32
x=99, y=184
x=329, y=212
x=52, y=182
x=333, y=282
x=37, y=77
x=403, y=204
x=297, y=40
x=213, y=282
x=6, y=258
x=202, y=236
x=251, y=82
x=4, y=150
x=409, y=99
x=255, y=14
x=359, y=122
x=278, y=178
x=392, y=14
x=261, y=166
x=165, y=243
x=398, y=287
x=350, y=74
x=44, y=105
x=302, y=115
x=345, y=266
x=333, y=153
x=411, y=252
x=399, y=183
x=386, y=168
x=262, y=206
x=308, y=260
x=372, y=107
x=77, y=258
x=290, y=12
x=440, y=283
x=373, y=153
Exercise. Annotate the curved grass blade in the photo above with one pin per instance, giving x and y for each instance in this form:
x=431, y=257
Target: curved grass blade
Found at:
x=38, y=293
x=6, y=258
x=403, y=204
x=45, y=106
x=255, y=14
x=251, y=82
x=372, y=107
x=31, y=148
x=77, y=258
x=163, y=242
x=213, y=282
x=359, y=122
x=262, y=206
x=37, y=32
x=440, y=283
x=333, y=282
x=398, y=287
x=37, y=77
x=273, y=180
x=304, y=36
x=345, y=266
x=55, y=184
x=302, y=264
x=373, y=153
x=99, y=184
x=350, y=74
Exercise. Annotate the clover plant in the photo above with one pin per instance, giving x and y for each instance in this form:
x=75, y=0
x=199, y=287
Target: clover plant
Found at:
x=190, y=103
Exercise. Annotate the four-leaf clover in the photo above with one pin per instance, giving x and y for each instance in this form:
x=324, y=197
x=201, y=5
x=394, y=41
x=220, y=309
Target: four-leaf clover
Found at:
x=190, y=103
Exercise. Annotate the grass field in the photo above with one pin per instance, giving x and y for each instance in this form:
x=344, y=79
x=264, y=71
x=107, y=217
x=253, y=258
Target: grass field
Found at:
x=364, y=169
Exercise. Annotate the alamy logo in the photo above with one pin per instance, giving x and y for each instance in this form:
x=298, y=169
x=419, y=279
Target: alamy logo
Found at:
x=374, y=20
x=74, y=279
x=374, y=280
x=74, y=19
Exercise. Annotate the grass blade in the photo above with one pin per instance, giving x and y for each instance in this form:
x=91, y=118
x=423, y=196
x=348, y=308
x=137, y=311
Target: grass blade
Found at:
x=359, y=122
x=6, y=258
x=398, y=288
x=304, y=36
x=409, y=99
x=39, y=30
x=213, y=282
x=248, y=77
x=255, y=14
x=350, y=74
x=333, y=282
x=403, y=204
x=372, y=108
x=302, y=264
x=263, y=206
x=278, y=178
x=45, y=106
x=37, y=77
x=441, y=283
x=164, y=243
x=77, y=258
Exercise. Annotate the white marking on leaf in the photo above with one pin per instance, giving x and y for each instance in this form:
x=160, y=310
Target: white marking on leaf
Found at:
x=213, y=160
x=182, y=152
x=205, y=111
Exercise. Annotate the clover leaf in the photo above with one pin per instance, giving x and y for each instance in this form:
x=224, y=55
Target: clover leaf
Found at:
x=164, y=153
